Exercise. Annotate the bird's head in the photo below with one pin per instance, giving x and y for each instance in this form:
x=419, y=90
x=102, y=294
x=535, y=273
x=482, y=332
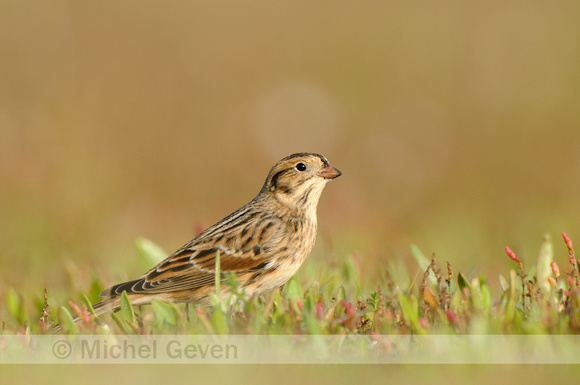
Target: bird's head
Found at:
x=298, y=180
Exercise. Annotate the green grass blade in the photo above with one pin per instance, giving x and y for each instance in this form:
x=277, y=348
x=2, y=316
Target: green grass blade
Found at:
x=89, y=305
x=150, y=254
x=165, y=314
x=503, y=283
x=15, y=307
x=410, y=309
x=545, y=257
x=125, y=329
x=126, y=308
x=423, y=262
x=219, y=322
x=292, y=290
x=462, y=282
x=67, y=323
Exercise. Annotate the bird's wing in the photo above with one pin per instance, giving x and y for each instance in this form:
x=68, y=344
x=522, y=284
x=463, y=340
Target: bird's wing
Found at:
x=244, y=249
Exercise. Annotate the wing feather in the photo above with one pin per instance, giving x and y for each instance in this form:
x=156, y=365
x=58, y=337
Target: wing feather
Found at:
x=193, y=266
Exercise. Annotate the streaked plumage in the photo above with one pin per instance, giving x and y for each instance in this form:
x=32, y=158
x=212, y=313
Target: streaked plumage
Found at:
x=263, y=243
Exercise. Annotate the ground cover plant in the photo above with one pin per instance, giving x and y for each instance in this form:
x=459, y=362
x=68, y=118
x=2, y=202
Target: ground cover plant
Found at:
x=534, y=297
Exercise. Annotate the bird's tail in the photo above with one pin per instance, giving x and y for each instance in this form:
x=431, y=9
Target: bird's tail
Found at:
x=100, y=308
x=108, y=304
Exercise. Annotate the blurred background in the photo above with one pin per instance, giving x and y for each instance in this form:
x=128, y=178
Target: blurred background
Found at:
x=456, y=125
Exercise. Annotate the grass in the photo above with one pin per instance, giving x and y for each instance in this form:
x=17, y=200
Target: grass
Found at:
x=534, y=297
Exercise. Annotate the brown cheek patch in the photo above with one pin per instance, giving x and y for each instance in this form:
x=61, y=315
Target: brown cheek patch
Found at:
x=275, y=177
x=285, y=189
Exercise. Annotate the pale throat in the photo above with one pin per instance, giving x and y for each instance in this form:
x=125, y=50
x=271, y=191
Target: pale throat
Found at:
x=309, y=205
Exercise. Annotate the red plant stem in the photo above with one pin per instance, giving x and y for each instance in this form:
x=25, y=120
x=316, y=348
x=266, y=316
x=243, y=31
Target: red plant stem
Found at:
x=569, y=244
x=572, y=257
x=555, y=269
x=517, y=259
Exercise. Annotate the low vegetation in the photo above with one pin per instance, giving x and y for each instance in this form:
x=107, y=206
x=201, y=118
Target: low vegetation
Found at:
x=535, y=297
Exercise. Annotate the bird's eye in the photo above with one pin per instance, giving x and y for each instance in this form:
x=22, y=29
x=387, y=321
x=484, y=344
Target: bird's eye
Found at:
x=300, y=167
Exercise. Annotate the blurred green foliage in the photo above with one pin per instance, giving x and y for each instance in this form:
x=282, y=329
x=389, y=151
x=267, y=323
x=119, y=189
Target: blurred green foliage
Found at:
x=450, y=303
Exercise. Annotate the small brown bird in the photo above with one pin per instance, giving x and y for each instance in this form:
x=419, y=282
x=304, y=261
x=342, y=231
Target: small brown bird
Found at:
x=263, y=243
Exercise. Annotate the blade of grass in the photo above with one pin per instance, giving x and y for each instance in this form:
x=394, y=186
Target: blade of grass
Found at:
x=68, y=325
x=150, y=254
x=462, y=281
x=545, y=257
x=126, y=308
x=423, y=262
x=125, y=329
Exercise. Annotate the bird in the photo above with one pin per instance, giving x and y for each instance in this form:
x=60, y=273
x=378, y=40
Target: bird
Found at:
x=263, y=243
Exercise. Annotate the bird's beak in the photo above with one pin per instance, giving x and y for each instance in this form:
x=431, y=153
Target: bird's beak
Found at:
x=329, y=172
